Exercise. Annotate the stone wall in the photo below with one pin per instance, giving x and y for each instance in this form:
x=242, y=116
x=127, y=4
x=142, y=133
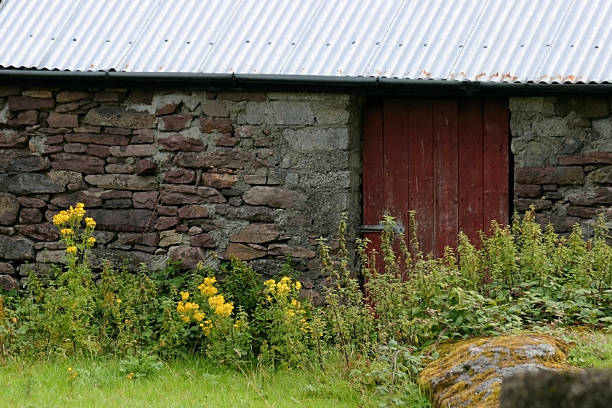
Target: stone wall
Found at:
x=563, y=159
x=180, y=175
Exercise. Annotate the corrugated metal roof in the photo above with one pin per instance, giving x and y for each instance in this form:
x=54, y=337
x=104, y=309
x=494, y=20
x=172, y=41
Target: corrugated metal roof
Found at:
x=549, y=41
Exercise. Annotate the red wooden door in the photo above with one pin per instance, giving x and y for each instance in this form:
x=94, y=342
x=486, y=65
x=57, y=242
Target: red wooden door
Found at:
x=446, y=159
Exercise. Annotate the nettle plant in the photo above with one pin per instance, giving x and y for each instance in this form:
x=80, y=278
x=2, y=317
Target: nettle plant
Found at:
x=520, y=276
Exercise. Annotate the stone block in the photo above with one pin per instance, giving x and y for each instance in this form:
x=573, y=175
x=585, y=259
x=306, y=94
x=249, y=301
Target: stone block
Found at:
x=586, y=158
x=170, y=238
x=39, y=232
x=147, y=239
x=118, y=203
x=180, y=176
x=559, y=223
x=586, y=107
x=123, y=182
x=286, y=250
x=175, y=122
x=63, y=120
x=108, y=140
x=219, y=180
x=145, y=166
x=71, y=96
x=247, y=212
x=602, y=175
x=244, y=252
x=30, y=216
x=98, y=150
x=167, y=109
x=316, y=139
x=107, y=96
x=179, y=142
x=237, y=96
x=527, y=190
x=523, y=204
x=38, y=93
x=11, y=138
x=180, y=195
x=226, y=141
x=142, y=136
x=219, y=125
x=231, y=159
x=121, y=168
x=273, y=197
x=562, y=175
x=204, y=240
x=123, y=220
x=192, y=211
x=21, y=103
x=215, y=109
x=16, y=248
x=550, y=389
x=90, y=200
x=28, y=202
x=164, y=223
x=188, y=256
x=79, y=163
x=256, y=234
x=29, y=183
x=9, y=209
x=29, y=117
x=8, y=282
x=146, y=199
x=119, y=117
x=137, y=150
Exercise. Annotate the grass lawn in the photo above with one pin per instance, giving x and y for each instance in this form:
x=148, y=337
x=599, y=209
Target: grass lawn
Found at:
x=199, y=383
x=194, y=383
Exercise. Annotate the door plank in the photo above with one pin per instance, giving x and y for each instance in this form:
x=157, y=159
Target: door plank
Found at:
x=422, y=171
x=470, y=168
x=446, y=175
x=373, y=174
x=496, y=157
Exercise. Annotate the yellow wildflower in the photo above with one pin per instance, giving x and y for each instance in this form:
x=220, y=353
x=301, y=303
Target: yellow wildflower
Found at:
x=207, y=290
x=298, y=285
x=269, y=298
x=91, y=241
x=216, y=301
x=210, y=281
x=130, y=376
x=67, y=231
x=290, y=313
x=295, y=303
x=225, y=309
x=270, y=284
x=184, y=296
x=198, y=316
x=71, y=250
x=185, y=318
x=191, y=306
x=118, y=301
x=90, y=222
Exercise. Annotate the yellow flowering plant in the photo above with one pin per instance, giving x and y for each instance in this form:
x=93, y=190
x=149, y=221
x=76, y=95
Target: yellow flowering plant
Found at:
x=288, y=328
x=76, y=238
x=223, y=331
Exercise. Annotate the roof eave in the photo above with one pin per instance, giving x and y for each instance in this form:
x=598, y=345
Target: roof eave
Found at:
x=365, y=85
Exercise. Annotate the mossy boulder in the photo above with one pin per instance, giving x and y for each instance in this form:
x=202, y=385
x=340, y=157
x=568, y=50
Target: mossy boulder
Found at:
x=469, y=373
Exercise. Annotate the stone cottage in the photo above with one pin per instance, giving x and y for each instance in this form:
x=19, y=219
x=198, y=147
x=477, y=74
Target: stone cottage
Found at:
x=248, y=130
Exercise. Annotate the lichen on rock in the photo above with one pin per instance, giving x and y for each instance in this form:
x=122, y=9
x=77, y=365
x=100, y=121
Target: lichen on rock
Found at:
x=469, y=372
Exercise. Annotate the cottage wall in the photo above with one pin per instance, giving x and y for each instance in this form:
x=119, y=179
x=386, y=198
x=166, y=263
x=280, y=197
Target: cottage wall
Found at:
x=177, y=175
x=563, y=159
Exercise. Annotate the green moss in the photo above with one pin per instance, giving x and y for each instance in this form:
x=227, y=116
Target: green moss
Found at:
x=499, y=352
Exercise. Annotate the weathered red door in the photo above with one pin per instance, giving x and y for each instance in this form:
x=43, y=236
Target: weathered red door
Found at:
x=446, y=159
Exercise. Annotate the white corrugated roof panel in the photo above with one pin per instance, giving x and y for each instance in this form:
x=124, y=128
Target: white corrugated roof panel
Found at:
x=547, y=41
